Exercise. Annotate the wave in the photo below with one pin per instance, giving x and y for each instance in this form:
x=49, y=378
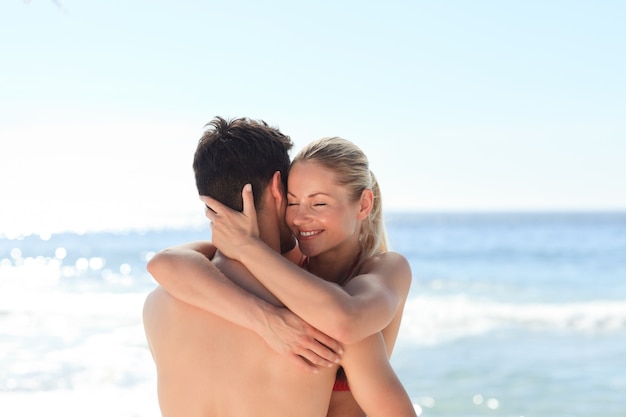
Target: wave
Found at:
x=432, y=320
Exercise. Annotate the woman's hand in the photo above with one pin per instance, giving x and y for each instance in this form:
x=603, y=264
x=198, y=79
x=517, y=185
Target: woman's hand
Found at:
x=230, y=228
x=294, y=338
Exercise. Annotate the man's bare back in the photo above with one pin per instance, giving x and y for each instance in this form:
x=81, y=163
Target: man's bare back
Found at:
x=208, y=367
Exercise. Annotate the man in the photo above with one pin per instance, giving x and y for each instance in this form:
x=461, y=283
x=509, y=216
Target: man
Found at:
x=207, y=366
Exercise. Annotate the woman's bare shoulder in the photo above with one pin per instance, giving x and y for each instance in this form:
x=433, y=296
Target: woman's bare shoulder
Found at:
x=387, y=259
x=388, y=264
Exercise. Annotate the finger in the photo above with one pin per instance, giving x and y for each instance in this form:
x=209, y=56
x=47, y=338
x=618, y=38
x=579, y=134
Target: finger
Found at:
x=323, y=355
x=304, y=364
x=209, y=209
x=314, y=359
x=248, y=201
x=328, y=342
x=210, y=213
x=213, y=204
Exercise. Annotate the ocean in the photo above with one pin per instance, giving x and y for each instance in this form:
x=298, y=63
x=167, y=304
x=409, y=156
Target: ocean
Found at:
x=510, y=314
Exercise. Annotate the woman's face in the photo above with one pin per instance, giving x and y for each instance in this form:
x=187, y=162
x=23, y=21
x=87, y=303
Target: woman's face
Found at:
x=320, y=212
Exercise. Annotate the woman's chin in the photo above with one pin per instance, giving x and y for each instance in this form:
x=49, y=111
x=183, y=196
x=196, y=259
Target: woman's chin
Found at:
x=307, y=249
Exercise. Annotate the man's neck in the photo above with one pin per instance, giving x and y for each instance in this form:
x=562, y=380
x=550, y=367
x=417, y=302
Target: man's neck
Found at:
x=268, y=231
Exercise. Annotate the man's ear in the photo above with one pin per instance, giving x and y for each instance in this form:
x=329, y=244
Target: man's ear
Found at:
x=366, y=204
x=276, y=188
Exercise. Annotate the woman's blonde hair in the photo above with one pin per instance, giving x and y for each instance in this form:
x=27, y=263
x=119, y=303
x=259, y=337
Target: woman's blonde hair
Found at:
x=351, y=167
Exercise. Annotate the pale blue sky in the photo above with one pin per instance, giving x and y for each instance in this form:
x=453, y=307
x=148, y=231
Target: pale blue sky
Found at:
x=460, y=105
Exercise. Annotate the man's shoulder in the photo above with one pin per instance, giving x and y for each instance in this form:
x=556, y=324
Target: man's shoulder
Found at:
x=156, y=300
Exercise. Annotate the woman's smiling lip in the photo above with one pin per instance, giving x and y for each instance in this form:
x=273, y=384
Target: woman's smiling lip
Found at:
x=308, y=233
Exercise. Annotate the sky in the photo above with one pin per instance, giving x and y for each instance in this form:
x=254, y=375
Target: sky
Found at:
x=460, y=106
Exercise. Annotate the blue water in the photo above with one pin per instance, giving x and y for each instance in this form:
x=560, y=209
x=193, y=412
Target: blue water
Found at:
x=518, y=314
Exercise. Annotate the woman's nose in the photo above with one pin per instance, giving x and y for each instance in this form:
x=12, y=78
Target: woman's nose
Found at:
x=301, y=215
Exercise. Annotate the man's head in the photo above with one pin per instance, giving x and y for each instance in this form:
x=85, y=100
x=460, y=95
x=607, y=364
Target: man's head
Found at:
x=233, y=153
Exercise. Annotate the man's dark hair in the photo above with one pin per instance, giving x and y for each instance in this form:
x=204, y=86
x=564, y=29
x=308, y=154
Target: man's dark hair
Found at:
x=233, y=153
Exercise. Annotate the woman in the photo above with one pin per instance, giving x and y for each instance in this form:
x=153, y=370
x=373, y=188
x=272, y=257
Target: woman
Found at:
x=334, y=210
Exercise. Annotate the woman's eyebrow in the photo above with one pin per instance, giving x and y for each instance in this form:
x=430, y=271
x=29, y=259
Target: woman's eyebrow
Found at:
x=318, y=193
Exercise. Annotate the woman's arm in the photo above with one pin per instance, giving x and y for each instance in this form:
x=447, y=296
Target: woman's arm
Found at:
x=373, y=382
x=187, y=274
x=366, y=305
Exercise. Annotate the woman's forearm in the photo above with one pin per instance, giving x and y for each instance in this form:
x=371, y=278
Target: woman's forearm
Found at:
x=323, y=304
x=373, y=382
